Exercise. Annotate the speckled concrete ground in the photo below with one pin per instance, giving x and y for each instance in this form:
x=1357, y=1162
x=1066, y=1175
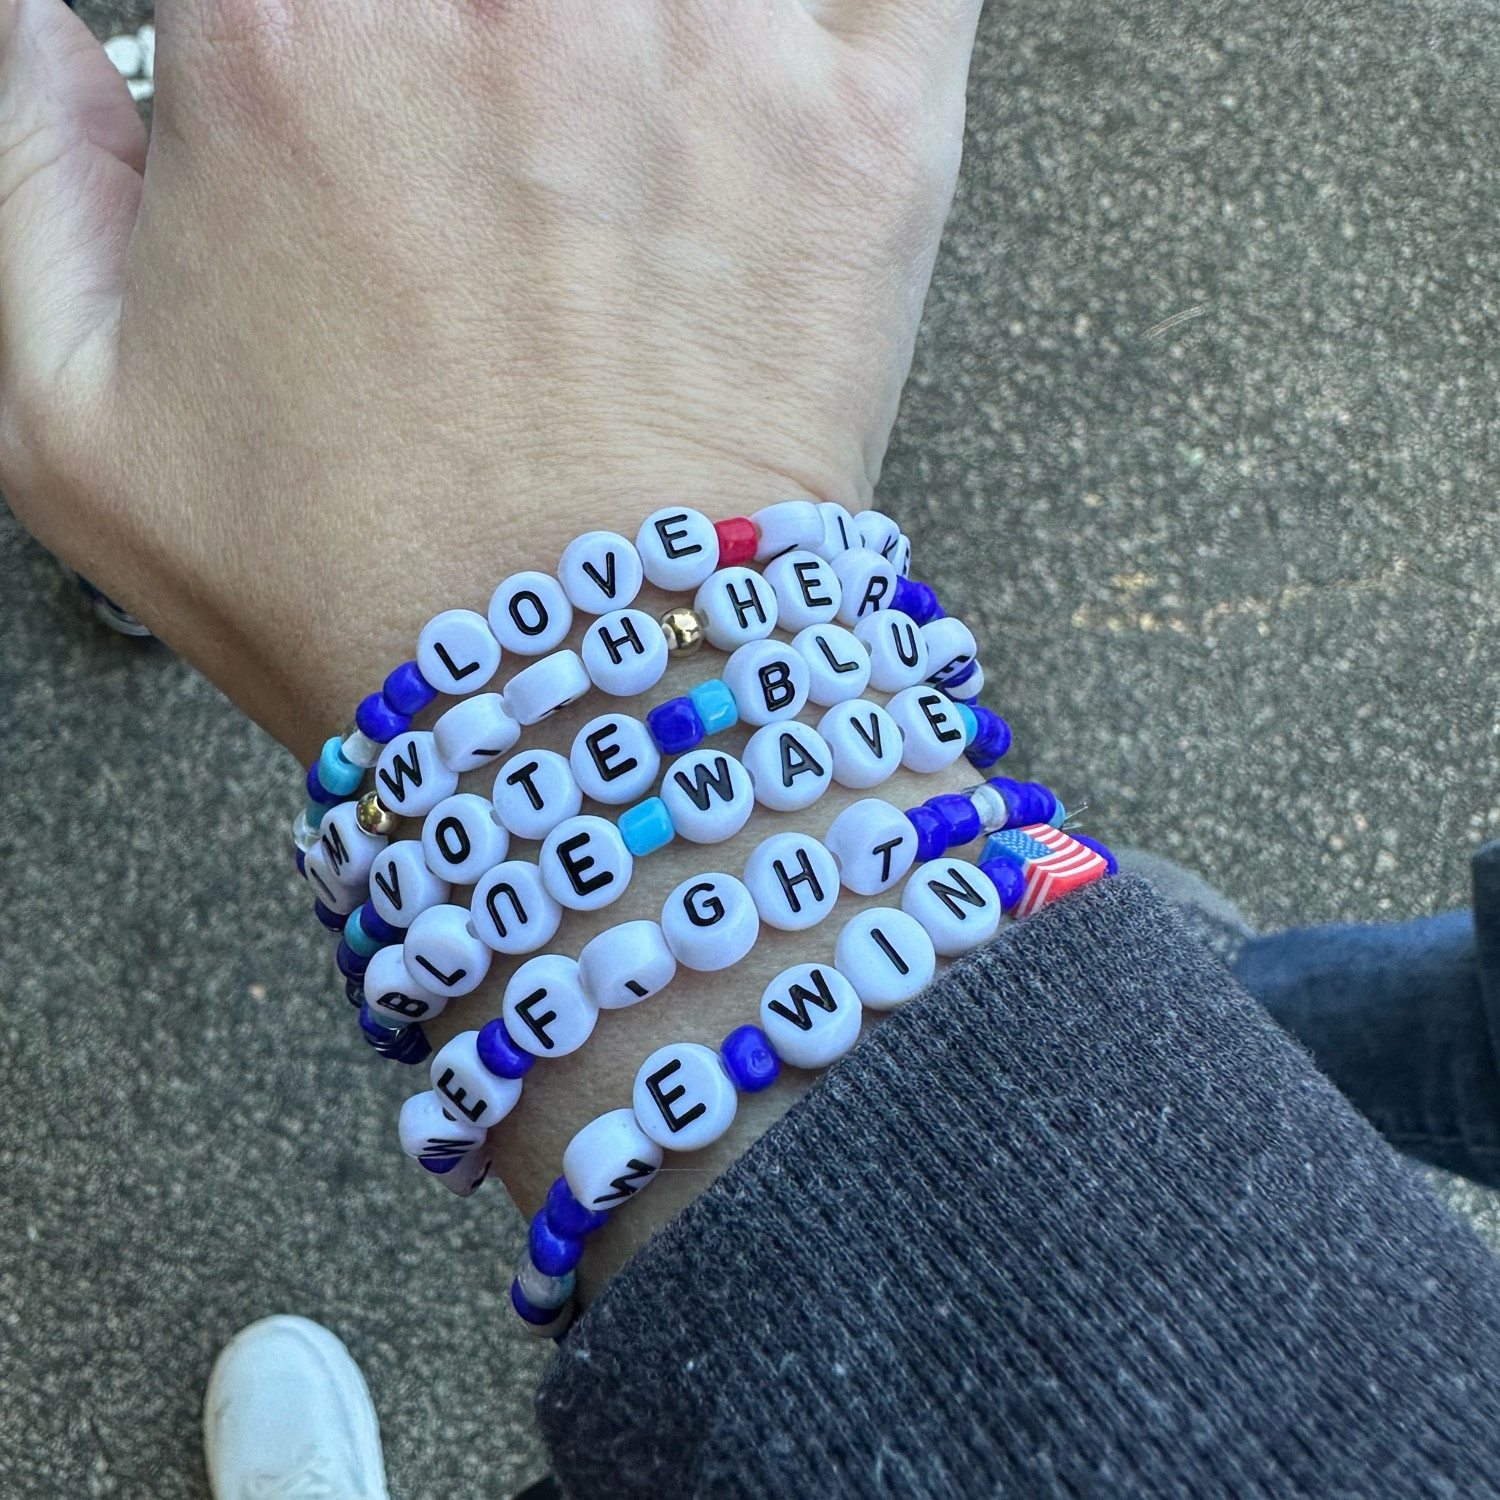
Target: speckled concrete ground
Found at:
x=1201, y=436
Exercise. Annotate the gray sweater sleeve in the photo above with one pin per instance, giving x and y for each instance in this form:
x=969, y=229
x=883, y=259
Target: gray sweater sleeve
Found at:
x=1077, y=1221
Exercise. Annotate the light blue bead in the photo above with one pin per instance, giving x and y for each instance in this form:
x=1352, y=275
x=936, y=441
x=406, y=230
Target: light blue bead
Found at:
x=1059, y=813
x=971, y=721
x=315, y=811
x=336, y=773
x=646, y=827
x=358, y=939
x=715, y=705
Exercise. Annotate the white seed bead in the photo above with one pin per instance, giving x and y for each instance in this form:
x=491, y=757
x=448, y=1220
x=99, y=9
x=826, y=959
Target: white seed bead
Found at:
x=990, y=805
x=443, y=952
x=811, y=1014
x=457, y=652
x=950, y=648
x=678, y=548
x=410, y=777
x=466, y=1088
x=807, y=590
x=790, y=765
x=333, y=893
x=709, y=795
x=886, y=955
x=683, y=1099
x=471, y=1173
x=402, y=885
x=868, y=581
x=735, y=605
x=769, y=680
x=625, y=653
x=787, y=525
x=542, y=1290
x=534, y=791
x=304, y=834
x=462, y=837
x=585, y=864
x=391, y=991
x=359, y=749
x=839, y=533
x=600, y=571
x=614, y=759
x=971, y=687
x=838, y=665
x=626, y=964
x=710, y=922
x=610, y=1160
x=932, y=730
x=865, y=741
x=428, y=1134
x=538, y=691
x=530, y=614
x=873, y=843
x=474, y=732
x=546, y=1010
x=898, y=650
x=511, y=910
x=350, y=850
x=793, y=881
x=877, y=532
x=955, y=901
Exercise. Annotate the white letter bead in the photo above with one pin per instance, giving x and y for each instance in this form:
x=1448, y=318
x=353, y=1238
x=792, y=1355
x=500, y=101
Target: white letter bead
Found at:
x=350, y=851
x=534, y=791
x=678, y=548
x=877, y=532
x=735, y=605
x=807, y=590
x=466, y=1088
x=462, y=837
x=428, y=1134
x=874, y=844
x=471, y=1173
x=793, y=880
x=710, y=922
x=709, y=795
x=443, y=953
x=900, y=555
x=867, y=581
x=898, y=650
x=546, y=1010
x=955, y=902
x=401, y=885
x=971, y=687
x=610, y=1160
x=950, y=647
x=769, y=680
x=614, y=759
x=332, y=892
x=392, y=993
x=932, y=732
x=457, y=652
x=839, y=533
x=790, y=765
x=865, y=742
x=625, y=653
x=530, y=614
x=600, y=571
x=886, y=955
x=626, y=964
x=683, y=1098
x=787, y=525
x=537, y=691
x=811, y=1014
x=410, y=777
x=475, y=732
x=585, y=864
x=838, y=665
x=511, y=910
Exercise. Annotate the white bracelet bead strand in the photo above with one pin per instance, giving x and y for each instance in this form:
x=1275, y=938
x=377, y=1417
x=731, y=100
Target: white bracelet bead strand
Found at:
x=956, y=903
x=546, y=1009
x=462, y=837
x=457, y=652
x=811, y=1014
x=625, y=653
x=600, y=571
x=683, y=1099
x=466, y=1088
x=530, y=614
x=610, y=1160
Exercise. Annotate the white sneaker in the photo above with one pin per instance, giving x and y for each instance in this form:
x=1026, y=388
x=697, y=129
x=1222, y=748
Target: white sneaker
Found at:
x=287, y=1416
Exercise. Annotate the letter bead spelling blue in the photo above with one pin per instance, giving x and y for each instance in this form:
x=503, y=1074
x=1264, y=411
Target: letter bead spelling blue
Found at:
x=749, y=1059
x=551, y=1253
x=960, y=818
x=407, y=690
x=675, y=726
x=336, y=771
x=378, y=721
x=1008, y=879
x=932, y=831
x=330, y=919
x=715, y=704
x=566, y=1216
x=646, y=827
x=316, y=791
x=499, y=1054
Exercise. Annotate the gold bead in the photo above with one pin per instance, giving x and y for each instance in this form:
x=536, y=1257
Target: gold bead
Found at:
x=373, y=816
x=683, y=630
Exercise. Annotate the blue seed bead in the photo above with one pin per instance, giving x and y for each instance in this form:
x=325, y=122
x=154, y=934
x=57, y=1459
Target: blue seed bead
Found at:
x=992, y=740
x=915, y=598
x=410, y=1047
x=352, y=965
x=358, y=939
x=301, y=859
x=715, y=704
x=336, y=773
x=646, y=827
x=316, y=791
x=1008, y=879
x=407, y=690
x=1039, y=803
x=566, y=1216
x=552, y=1254
x=378, y=721
x=313, y=812
x=528, y=1309
x=970, y=722
x=376, y=926
x=375, y=1029
x=354, y=991
x=675, y=726
x=499, y=1054
x=960, y=817
x=330, y=919
x=1111, y=864
x=959, y=678
x=437, y=1166
x=932, y=832
x=749, y=1059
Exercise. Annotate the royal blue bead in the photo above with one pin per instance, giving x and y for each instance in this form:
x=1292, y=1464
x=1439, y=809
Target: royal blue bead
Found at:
x=715, y=704
x=336, y=773
x=675, y=726
x=959, y=678
x=646, y=827
x=301, y=859
x=993, y=738
x=377, y=927
x=1039, y=803
x=551, y=1253
x=354, y=991
x=330, y=919
x=316, y=791
x=499, y=1054
x=566, y=1216
x=410, y=1048
x=1008, y=879
x=749, y=1059
x=378, y=721
x=407, y=690
x=960, y=817
x=357, y=938
x=352, y=965
x=1111, y=864
x=438, y=1165
x=527, y=1308
x=915, y=598
x=376, y=1029
x=932, y=832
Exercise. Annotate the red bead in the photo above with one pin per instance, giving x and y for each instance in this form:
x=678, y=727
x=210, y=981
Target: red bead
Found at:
x=737, y=540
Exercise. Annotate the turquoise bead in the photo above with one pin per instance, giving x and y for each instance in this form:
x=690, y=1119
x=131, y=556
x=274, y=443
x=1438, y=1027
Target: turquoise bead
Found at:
x=646, y=827
x=715, y=705
x=971, y=721
x=315, y=811
x=336, y=773
x=358, y=939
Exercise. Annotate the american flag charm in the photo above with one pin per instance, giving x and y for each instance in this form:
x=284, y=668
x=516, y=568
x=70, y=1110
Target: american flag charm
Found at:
x=1052, y=862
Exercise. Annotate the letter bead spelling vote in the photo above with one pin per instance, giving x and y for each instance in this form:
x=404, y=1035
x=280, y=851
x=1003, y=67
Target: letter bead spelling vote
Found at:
x=462, y=837
x=475, y=732
x=626, y=964
x=395, y=994
x=811, y=1014
x=793, y=880
x=410, y=777
x=769, y=680
x=838, y=665
x=600, y=571
x=530, y=614
x=807, y=590
x=735, y=605
x=790, y=765
x=610, y=1160
x=678, y=548
x=585, y=864
x=457, y=652
x=886, y=955
x=625, y=653
x=710, y=922
x=545, y=1008
x=402, y=885
x=955, y=902
x=466, y=1088
x=866, y=582
x=709, y=796
x=614, y=759
x=865, y=741
x=511, y=910
x=534, y=791
x=932, y=728
x=443, y=952
x=538, y=691
x=874, y=844
x=683, y=1098
x=898, y=650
